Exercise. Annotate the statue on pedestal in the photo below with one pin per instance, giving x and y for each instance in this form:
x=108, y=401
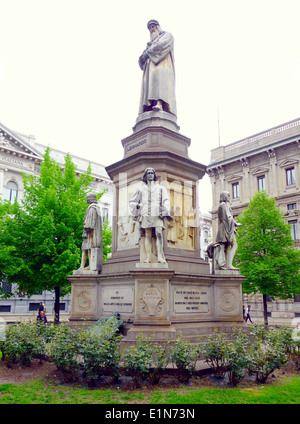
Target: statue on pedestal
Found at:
x=92, y=247
x=150, y=206
x=223, y=250
x=157, y=64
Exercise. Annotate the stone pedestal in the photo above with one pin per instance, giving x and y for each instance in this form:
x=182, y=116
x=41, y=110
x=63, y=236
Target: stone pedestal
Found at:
x=160, y=300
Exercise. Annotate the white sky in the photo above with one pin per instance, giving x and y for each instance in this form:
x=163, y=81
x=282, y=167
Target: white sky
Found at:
x=69, y=70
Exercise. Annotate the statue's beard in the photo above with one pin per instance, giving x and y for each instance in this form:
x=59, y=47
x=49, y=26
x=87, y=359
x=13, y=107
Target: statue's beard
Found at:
x=154, y=34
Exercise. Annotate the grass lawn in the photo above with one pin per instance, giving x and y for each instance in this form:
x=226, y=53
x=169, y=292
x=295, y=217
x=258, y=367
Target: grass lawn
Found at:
x=287, y=391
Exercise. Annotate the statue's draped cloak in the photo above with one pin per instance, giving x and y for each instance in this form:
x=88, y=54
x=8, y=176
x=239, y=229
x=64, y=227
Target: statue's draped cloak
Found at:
x=92, y=221
x=226, y=224
x=158, y=81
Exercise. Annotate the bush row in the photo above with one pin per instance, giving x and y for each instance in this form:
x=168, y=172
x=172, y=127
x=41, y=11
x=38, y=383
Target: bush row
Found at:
x=96, y=351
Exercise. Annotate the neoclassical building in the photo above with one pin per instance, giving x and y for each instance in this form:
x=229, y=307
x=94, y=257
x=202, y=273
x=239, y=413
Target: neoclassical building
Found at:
x=269, y=160
x=20, y=153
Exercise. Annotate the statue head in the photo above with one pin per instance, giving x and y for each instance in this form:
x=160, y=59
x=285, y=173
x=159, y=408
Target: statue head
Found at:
x=91, y=198
x=152, y=22
x=154, y=28
x=148, y=171
x=225, y=196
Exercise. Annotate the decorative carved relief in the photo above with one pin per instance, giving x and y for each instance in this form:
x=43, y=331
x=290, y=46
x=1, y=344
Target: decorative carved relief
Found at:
x=151, y=301
x=181, y=231
x=84, y=300
x=228, y=301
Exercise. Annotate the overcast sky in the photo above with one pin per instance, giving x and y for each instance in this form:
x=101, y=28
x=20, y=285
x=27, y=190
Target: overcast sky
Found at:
x=69, y=70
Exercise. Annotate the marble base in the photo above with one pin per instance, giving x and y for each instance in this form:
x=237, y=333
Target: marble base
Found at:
x=160, y=302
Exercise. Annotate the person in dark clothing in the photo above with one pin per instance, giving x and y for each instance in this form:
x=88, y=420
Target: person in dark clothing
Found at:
x=41, y=308
x=42, y=317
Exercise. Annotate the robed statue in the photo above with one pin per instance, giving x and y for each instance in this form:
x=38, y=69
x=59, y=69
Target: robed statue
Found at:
x=92, y=247
x=223, y=250
x=157, y=64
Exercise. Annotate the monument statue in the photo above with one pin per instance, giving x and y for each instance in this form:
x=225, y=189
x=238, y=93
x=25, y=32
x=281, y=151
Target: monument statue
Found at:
x=92, y=247
x=150, y=206
x=223, y=250
x=157, y=64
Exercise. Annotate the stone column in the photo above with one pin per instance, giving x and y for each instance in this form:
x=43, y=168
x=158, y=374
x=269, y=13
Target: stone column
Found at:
x=273, y=180
x=246, y=182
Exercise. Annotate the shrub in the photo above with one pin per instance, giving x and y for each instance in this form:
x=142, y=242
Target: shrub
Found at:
x=184, y=355
x=63, y=350
x=268, y=351
x=265, y=358
x=23, y=343
x=160, y=359
x=282, y=335
x=215, y=349
x=138, y=359
x=100, y=350
x=238, y=359
x=295, y=349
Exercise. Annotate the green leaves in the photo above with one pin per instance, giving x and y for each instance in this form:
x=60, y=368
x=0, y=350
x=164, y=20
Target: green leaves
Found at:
x=40, y=240
x=266, y=254
x=95, y=351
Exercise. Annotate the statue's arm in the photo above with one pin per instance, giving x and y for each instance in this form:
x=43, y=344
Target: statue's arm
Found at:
x=158, y=50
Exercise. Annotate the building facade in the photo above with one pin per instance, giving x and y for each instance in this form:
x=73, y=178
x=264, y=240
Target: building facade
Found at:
x=270, y=161
x=205, y=221
x=20, y=153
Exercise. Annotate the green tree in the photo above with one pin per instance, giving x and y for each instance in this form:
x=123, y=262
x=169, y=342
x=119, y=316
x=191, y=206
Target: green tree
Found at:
x=266, y=254
x=40, y=239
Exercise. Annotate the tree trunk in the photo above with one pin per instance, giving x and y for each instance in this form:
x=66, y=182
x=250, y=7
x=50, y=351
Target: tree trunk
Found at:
x=265, y=310
x=56, y=304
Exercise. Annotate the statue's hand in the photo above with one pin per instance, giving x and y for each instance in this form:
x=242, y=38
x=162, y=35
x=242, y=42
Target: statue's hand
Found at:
x=143, y=59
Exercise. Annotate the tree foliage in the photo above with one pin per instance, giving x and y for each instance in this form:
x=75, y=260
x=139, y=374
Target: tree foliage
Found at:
x=40, y=239
x=266, y=254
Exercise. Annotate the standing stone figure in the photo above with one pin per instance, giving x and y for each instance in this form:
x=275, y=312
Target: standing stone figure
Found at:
x=92, y=246
x=157, y=64
x=150, y=205
x=223, y=250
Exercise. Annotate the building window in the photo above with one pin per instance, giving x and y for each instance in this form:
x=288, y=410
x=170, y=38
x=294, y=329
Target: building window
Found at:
x=291, y=206
x=104, y=214
x=5, y=308
x=261, y=181
x=5, y=286
x=235, y=190
x=290, y=176
x=33, y=306
x=11, y=192
x=294, y=229
x=205, y=236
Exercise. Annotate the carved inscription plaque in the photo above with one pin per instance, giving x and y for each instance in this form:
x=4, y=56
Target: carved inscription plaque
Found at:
x=192, y=299
x=117, y=299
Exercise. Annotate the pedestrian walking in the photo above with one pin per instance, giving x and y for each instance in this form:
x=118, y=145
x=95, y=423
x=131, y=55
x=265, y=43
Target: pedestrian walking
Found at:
x=248, y=314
